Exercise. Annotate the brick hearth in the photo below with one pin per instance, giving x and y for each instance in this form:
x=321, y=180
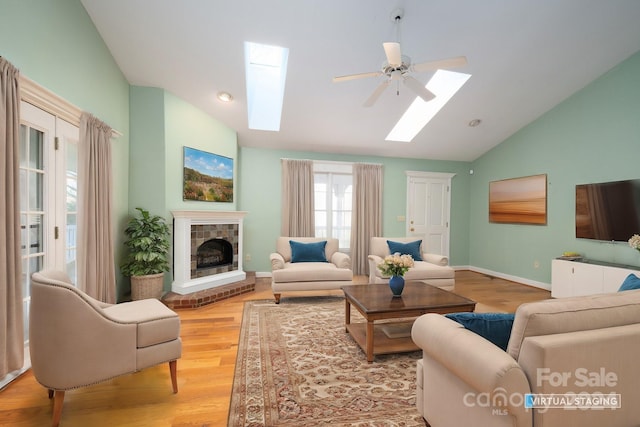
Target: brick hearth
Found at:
x=209, y=296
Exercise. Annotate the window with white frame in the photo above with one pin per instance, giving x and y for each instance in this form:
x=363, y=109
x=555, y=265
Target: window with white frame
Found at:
x=333, y=189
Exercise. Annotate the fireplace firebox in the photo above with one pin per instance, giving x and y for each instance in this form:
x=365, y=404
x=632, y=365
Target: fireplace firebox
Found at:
x=214, y=253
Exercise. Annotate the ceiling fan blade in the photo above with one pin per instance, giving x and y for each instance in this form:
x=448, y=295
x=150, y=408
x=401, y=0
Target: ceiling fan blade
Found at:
x=392, y=50
x=356, y=76
x=376, y=94
x=418, y=88
x=458, y=61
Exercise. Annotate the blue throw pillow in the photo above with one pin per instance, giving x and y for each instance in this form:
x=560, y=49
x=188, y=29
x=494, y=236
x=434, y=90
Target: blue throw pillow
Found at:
x=494, y=327
x=411, y=248
x=308, y=252
x=631, y=282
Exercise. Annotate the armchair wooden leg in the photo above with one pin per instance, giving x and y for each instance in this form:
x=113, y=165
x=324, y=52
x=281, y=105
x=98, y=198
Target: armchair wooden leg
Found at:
x=173, y=365
x=58, y=400
x=277, y=297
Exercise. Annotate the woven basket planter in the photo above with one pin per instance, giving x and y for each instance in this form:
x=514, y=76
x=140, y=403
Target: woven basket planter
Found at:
x=149, y=286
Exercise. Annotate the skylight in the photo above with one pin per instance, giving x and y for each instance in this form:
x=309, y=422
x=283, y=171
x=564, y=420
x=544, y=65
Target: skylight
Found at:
x=266, y=72
x=444, y=84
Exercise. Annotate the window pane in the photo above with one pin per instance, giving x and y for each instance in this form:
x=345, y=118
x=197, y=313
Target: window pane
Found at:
x=333, y=199
x=25, y=278
x=24, y=236
x=23, y=146
x=35, y=191
x=35, y=264
x=72, y=194
x=23, y=190
x=35, y=149
x=71, y=264
x=36, y=234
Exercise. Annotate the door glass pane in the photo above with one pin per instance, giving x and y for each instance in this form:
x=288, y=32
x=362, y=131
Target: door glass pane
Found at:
x=36, y=234
x=25, y=277
x=35, y=185
x=71, y=206
x=23, y=146
x=72, y=178
x=23, y=190
x=35, y=149
x=71, y=241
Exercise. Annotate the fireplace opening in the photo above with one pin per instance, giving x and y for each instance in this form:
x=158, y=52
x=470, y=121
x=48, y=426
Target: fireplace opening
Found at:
x=214, y=253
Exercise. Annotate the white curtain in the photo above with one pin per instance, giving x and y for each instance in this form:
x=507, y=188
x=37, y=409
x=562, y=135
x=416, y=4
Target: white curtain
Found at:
x=11, y=320
x=366, y=218
x=96, y=266
x=297, y=198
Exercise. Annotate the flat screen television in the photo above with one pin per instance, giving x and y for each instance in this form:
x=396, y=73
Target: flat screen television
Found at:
x=608, y=210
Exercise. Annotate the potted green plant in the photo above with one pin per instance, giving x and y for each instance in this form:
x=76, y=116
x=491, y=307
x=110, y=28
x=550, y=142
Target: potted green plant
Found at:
x=146, y=261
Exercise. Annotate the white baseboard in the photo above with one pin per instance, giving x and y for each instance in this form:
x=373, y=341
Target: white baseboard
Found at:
x=263, y=274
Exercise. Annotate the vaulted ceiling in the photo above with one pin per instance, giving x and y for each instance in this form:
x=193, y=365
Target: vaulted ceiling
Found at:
x=524, y=57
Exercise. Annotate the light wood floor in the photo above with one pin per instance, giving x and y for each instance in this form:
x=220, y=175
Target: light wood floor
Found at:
x=205, y=371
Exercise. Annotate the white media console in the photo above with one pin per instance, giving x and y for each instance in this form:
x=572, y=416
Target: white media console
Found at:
x=576, y=278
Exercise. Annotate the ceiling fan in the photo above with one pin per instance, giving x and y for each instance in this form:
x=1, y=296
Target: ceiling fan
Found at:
x=398, y=67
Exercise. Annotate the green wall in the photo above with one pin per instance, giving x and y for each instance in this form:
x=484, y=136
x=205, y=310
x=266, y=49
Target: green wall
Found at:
x=55, y=44
x=147, y=167
x=189, y=126
x=260, y=196
x=161, y=125
x=593, y=136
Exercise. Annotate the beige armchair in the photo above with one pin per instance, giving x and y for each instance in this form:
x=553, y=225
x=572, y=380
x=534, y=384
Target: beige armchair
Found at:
x=77, y=341
x=289, y=275
x=434, y=269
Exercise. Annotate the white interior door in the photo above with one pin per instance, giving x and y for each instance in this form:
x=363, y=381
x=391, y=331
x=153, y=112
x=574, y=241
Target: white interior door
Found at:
x=428, y=202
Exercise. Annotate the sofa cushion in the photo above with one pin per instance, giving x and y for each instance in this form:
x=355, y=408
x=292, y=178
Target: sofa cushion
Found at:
x=311, y=272
x=411, y=248
x=156, y=323
x=308, y=252
x=494, y=327
x=631, y=282
x=561, y=315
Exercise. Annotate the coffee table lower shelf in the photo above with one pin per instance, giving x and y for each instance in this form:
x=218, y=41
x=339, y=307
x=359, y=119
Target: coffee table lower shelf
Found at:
x=383, y=343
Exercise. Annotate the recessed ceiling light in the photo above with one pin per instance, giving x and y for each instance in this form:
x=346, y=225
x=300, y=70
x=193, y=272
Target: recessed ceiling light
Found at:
x=475, y=122
x=225, y=96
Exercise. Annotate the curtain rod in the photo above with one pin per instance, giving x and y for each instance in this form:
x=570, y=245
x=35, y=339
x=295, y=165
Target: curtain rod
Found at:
x=335, y=161
x=43, y=98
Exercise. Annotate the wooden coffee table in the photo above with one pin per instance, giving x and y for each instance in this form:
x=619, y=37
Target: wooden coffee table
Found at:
x=375, y=302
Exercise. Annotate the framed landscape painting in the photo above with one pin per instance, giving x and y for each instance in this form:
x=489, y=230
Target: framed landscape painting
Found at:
x=208, y=177
x=519, y=200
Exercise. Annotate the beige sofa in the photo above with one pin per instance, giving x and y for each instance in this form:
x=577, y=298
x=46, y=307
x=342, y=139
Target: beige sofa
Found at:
x=582, y=345
x=434, y=269
x=308, y=276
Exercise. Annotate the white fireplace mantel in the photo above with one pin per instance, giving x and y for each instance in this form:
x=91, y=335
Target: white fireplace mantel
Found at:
x=183, y=283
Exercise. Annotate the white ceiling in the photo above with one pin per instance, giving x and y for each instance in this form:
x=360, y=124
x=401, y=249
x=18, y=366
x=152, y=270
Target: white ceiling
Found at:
x=525, y=57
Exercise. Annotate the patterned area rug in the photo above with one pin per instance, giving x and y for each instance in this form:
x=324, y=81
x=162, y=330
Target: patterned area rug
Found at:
x=297, y=366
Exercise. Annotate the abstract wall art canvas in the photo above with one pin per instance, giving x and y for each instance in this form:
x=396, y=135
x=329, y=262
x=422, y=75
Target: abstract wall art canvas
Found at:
x=519, y=200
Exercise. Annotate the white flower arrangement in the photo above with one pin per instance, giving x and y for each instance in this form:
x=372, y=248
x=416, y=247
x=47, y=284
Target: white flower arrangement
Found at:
x=396, y=264
x=634, y=242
